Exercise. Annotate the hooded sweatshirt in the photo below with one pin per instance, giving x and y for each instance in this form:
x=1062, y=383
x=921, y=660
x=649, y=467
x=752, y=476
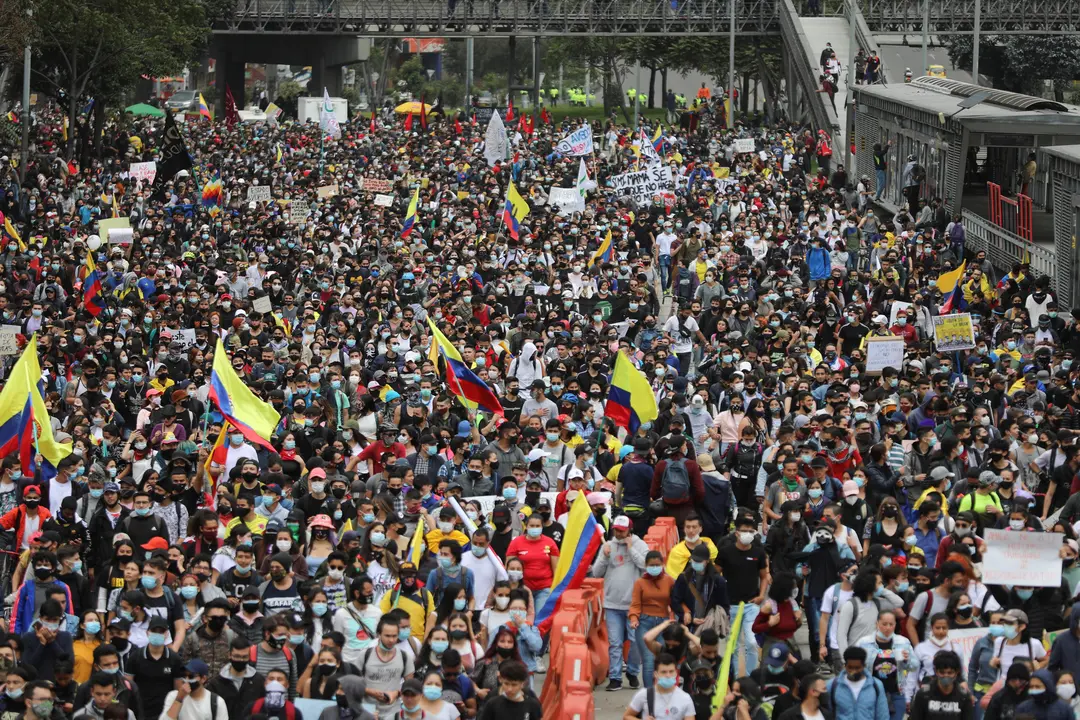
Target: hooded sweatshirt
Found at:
x=354, y=688
x=1065, y=652
x=1047, y=706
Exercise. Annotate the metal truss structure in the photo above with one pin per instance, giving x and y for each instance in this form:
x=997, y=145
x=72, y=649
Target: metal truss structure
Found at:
x=956, y=17
x=500, y=18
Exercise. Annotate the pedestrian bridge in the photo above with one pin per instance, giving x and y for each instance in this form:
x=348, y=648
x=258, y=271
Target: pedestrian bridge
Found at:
x=555, y=18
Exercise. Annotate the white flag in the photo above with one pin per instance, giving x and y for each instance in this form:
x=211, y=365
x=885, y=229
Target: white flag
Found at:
x=583, y=184
x=648, y=152
x=579, y=142
x=496, y=143
x=327, y=120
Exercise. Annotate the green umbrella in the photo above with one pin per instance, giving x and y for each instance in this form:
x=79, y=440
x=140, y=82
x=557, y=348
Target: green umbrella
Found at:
x=142, y=109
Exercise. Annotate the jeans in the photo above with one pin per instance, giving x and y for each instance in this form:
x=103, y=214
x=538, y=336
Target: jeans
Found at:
x=665, y=271
x=619, y=630
x=879, y=180
x=540, y=597
x=749, y=642
x=897, y=706
x=645, y=624
x=813, y=617
x=978, y=714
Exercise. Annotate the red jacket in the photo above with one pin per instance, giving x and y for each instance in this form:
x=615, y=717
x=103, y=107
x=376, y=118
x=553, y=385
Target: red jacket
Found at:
x=16, y=518
x=783, y=630
x=697, y=486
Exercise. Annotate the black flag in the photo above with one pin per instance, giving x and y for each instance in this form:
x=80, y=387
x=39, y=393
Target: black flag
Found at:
x=174, y=157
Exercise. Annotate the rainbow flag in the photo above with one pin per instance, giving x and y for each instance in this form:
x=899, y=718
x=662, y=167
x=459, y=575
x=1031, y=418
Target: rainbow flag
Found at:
x=211, y=195
x=630, y=400
x=582, y=541
x=410, y=214
x=256, y=419
x=605, y=253
x=952, y=294
x=204, y=109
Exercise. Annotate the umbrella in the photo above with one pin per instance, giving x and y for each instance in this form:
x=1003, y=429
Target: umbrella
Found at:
x=142, y=109
x=411, y=108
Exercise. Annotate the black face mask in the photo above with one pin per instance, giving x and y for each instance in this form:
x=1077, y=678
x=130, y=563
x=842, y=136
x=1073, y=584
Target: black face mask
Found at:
x=504, y=651
x=338, y=493
x=216, y=623
x=239, y=665
x=120, y=644
x=31, y=504
x=251, y=607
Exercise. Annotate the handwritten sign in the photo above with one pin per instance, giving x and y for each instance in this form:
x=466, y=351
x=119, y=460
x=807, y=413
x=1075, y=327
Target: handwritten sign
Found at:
x=186, y=338
x=9, y=345
x=642, y=186
x=579, y=142
x=964, y=642
x=145, y=171
x=376, y=185
x=744, y=145
x=384, y=200
x=884, y=352
x=567, y=200
x=953, y=332
x=259, y=193
x=262, y=305
x=1025, y=559
x=327, y=191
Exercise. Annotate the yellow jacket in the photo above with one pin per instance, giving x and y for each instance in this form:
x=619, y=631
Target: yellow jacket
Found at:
x=983, y=287
x=680, y=555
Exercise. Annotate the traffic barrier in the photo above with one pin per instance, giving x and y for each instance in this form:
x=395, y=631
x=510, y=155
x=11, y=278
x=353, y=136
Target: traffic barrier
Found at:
x=579, y=653
x=577, y=705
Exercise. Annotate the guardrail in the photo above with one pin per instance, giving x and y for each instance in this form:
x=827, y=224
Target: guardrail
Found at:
x=408, y=18
x=1005, y=248
x=799, y=52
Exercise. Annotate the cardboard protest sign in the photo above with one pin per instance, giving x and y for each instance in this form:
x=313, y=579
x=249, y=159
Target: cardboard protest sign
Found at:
x=643, y=185
x=1027, y=559
x=953, y=332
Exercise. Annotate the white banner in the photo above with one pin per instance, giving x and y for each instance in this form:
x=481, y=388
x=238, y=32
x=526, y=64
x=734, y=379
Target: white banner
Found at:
x=579, y=142
x=9, y=345
x=884, y=352
x=384, y=200
x=964, y=642
x=259, y=193
x=145, y=171
x=645, y=184
x=185, y=338
x=1024, y=559
x=567, y=200
x=744, y=145
x=496, y=143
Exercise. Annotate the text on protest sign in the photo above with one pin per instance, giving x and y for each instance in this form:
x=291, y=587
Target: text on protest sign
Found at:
x=145, y=171
x=744, y=145
x=644, y=184
x=964, y=642
x=9, y=344
x=1026, y=559
x=259, y=193
x=953, y=332
x=384, y=200
x=579, y=142
x=376, y=185
x=884, y=352
x=262, y=305
x=566, y=200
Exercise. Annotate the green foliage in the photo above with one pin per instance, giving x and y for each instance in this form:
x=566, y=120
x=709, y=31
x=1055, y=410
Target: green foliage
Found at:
x=409, y=76
x=288, y=90
x=1020, y=62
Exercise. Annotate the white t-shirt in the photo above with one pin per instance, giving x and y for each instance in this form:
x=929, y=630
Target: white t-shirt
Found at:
x=447, y=712
x=357, y=639
x=683, y=332
x=674, y=705
x=485, y=572
x=1034, y=650
x=30, y=526
x=493, y=619
x=192, y=709
x=664, y=242
x=834, y=615
x=57, y=492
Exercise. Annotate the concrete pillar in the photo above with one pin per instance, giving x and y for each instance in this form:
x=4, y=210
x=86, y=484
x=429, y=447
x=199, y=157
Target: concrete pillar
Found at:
x=230, y=74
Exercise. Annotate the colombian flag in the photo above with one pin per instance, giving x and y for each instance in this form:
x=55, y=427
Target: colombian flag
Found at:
x=410, y=214
x=630, y=400
x=659, y=142
x=8, y=231
x=93, y=296
x=256, y=419
x=460, y=379
x=605, y=253
x=24, y=422
x=514, y=211
x=204, y=110
x=580, y=544
x=953, y=295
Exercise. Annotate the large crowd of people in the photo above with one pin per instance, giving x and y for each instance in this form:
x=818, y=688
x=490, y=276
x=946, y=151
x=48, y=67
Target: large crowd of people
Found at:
x=159, y=574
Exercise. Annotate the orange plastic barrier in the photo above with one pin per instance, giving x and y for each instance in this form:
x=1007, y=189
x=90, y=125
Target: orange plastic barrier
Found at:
x=576, y=705
x=579, y=653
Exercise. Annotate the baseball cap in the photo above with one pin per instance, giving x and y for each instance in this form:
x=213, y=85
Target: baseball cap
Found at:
x=777, y=655
x=1017, y=615
x=851, y=488
x=196, y=666
x=622, y=522
x=940, y=473
x=156, y=543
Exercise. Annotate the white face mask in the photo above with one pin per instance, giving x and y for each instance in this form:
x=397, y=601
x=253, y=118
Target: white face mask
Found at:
x=851, y=499
x=284, y=545
x=501, y=602
x=746, y=538
x=1066, y=691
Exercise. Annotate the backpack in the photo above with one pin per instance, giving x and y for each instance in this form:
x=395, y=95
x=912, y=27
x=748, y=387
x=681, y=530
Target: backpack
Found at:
x=367, y=656
x=918, y=173
x=920, y=627
x=855, y=605
x=675, y=484
x=290, y=708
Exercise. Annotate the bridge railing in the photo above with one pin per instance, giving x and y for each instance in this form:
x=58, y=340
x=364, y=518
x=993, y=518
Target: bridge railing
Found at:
x=957, y=16
x=1004, y=248
x=604, y=17
x=807, y=71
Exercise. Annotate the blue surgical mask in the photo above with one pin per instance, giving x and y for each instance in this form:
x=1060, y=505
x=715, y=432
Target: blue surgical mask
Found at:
x=439, y=646
x=96, y=493
x=698, y=565
x=459, y=604
x=319, y=609
x=188, y=592
x=432, y=692
x=666, y=683
x=93, y=627
x=156, y=639
x=654, y=570
x=1024, y=594
x=509, y=493
x=149, y=582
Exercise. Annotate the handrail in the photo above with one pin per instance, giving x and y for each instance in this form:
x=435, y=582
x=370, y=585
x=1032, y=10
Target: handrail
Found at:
x=865, y=39
x=825, y=118
x=1004, y=248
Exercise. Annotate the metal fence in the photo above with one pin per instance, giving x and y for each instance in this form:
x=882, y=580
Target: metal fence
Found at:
x=1005, y=248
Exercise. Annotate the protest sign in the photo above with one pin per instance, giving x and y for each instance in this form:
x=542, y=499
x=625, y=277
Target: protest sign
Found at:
x=579, y=142
x=964, y=642
x=145, y=171
x=262, y=305
x=897, y=306
x=259, y=193
x=384, y=200
x=185, y=338
x=299, y=211
x=121, y=236
x=376, y=185
x=744, y=145
x=1025, y=559
x=567, y=200
x=9, y=345
x=953, y=332
x=1049, y=636
x=644, y=184
x=884, y=352
x=327, y=191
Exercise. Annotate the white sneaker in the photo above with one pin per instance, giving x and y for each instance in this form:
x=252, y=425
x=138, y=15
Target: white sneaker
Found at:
x=541, y=664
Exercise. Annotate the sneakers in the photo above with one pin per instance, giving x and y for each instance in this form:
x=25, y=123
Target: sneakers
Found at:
x=632, y=680
x=541, y=664
x=614, y=685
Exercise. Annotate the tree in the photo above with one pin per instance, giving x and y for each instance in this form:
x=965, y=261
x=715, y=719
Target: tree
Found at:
x=1019, y=63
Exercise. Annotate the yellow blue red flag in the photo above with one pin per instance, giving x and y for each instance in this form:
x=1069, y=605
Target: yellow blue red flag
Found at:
x=630, y=400
x=256, y=419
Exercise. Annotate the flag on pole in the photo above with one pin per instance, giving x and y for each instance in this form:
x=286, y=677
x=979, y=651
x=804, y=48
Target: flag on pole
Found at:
x=460, y=379
x=630, y=401
x=581, y=542
x=510, y=110
x=327, y=120
x=253, y=417
x=423, y=113
x=204, y=110
x=232, y=115
x=212, y=195
x=514, y=210
x=408, y=122
x=457, y=126
x=93, y=296
x=605, y=253
x=951, y=291
x=371, y=129
x=410, y=214
x=173, y=157
x=583, y=184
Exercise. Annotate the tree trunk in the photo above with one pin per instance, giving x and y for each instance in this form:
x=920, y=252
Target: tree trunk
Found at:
x=663, y=85
x=98, y=132
x=652, y=87
x=745, y=92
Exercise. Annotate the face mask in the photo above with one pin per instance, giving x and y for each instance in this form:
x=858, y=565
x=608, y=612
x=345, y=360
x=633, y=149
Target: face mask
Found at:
x=654, y=570
x=1025, y=594
x=946, y=682
x=534, y=532
x=515, y=575
x=1066, y=691
x=156, y=639
x=698, y=566
x=746, y=538
x=1010, y=631
x=149, y=582
x=459, y=604
x=188, y=592
x=439, y=646
x=666, y=683
x=1016, y=524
